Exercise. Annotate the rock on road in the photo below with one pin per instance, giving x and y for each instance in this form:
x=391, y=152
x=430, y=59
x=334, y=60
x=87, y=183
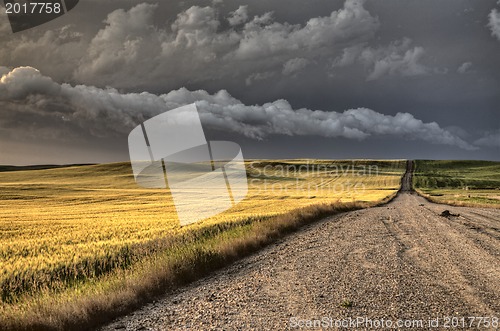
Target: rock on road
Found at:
x=398, y=261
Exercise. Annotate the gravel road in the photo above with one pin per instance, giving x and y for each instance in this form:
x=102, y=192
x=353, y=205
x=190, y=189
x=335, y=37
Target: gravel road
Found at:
x=402, y=261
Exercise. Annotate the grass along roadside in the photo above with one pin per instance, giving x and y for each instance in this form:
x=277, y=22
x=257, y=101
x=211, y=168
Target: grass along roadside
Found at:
x=459, y=183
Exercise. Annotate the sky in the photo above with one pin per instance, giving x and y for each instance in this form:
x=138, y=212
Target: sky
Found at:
x=386, y=79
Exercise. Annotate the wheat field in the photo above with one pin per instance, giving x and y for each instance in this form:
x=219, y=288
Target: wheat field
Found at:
x=61, y=227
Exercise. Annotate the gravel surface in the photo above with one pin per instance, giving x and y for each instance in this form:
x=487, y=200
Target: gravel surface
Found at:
x=401, y=261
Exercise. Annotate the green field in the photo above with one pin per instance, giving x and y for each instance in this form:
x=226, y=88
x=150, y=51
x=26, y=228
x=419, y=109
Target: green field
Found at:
x=465, y=183
x=85, y=242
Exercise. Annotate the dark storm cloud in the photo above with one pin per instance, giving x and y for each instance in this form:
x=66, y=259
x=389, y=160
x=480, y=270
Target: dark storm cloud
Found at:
x=295, y=65
x=490, y=140
x=494, y=23
x=379, y=70
x=239, y=16
x=464, y=68
x=132, y=50
x=198, y=46
x=398, y=58
x=107, y=111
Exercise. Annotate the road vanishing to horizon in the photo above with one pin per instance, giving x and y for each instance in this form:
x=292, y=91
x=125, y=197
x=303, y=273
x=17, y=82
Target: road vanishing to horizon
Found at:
x=397, y=263
x=247, y=165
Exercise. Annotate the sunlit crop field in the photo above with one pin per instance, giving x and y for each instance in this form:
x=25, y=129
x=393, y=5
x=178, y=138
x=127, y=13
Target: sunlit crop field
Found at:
x=70, y=224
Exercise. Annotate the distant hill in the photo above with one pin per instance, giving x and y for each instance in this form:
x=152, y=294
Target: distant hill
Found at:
x=4, y=168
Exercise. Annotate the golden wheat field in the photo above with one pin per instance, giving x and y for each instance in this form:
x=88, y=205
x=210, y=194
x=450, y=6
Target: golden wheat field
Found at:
x=62, y=226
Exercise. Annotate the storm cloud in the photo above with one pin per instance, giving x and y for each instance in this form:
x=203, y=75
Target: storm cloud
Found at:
x=106, y=111
x=397, y=58
x=490, y=140
x=464, y=68
x=197, y=44
x=323, y=78
x=494, y=23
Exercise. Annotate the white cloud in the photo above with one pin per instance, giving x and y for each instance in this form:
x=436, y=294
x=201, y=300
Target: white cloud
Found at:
x=239, y=16
x=405, y=65
x=494, y=23
x=349, y=56
x=398, y=58
x=263, y=37
x=19, y=83
x=259, y=76
x=491, y=139
x=123, y=48
x=464, y=67
x=295, y=65
x=56, y=51
x=104, y=112
x=195, y=27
